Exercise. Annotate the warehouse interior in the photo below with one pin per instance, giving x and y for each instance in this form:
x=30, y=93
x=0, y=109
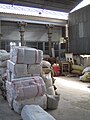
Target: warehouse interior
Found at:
x=44, y=48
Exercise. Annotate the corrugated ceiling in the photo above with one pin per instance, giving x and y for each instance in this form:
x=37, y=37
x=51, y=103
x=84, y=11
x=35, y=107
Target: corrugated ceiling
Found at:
x=58, y=5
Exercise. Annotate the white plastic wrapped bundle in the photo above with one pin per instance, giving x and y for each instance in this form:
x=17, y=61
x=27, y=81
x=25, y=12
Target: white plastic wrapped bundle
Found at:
x=34, y=69
x=26, y=55
x=28, y=87
x=41, y=101
x=18, y=70
x=35, y=112
x=9, y=90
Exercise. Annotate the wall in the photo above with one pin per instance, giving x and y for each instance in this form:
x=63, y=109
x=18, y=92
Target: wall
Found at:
x=35, y=35
x=33, y=32
x=79, y=31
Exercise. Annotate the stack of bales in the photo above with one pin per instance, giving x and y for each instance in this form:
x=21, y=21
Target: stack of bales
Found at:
x=24, y=84
x=47, y=75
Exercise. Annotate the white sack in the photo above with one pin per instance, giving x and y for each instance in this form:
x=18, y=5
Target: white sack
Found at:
x=45, y=64
x=47, y=79
x=18, y=70
x=41, y=101
x=35, y=112
x=26, y=55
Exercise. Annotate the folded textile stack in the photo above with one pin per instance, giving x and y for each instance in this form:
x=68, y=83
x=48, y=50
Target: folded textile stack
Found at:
x=24, y=84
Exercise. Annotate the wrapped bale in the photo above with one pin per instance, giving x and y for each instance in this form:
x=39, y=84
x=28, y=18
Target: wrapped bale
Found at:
x=35, y=112
x=9, y=94
x=26, y=55
x=34, y=85
x=41, y=101
x=18, y=70
x=34, y=70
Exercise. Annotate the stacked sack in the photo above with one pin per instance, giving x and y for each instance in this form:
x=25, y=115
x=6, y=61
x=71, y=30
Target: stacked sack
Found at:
x=24, y=84
x=85, y=77
x=77, y=69
x=47, y=75
x=4, y=56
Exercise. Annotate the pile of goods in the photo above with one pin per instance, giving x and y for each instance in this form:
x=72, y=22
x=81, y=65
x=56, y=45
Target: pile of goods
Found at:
x=24, y=84
x=29, y=80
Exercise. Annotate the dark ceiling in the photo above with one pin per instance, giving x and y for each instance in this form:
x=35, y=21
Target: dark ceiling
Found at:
x=58, y=5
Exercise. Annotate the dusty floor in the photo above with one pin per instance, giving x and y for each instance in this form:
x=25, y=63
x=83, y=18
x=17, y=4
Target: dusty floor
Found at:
x=74, y=101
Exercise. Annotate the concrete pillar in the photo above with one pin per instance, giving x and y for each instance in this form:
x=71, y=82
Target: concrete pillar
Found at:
x=22, y=30
x=50, y=28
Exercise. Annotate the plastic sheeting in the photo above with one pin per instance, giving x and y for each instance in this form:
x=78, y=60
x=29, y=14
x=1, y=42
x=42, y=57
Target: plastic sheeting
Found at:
x=26, y=55
x=35, y=112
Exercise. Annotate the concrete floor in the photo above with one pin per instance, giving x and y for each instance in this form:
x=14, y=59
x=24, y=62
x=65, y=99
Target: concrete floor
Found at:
x=74, y=101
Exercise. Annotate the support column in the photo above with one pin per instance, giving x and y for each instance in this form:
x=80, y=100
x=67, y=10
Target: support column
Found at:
x=66, y=38
x=22, y=30
x=50, y=28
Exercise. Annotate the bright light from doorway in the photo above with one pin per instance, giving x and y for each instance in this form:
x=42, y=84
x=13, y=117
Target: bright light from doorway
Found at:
x=80, y=5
